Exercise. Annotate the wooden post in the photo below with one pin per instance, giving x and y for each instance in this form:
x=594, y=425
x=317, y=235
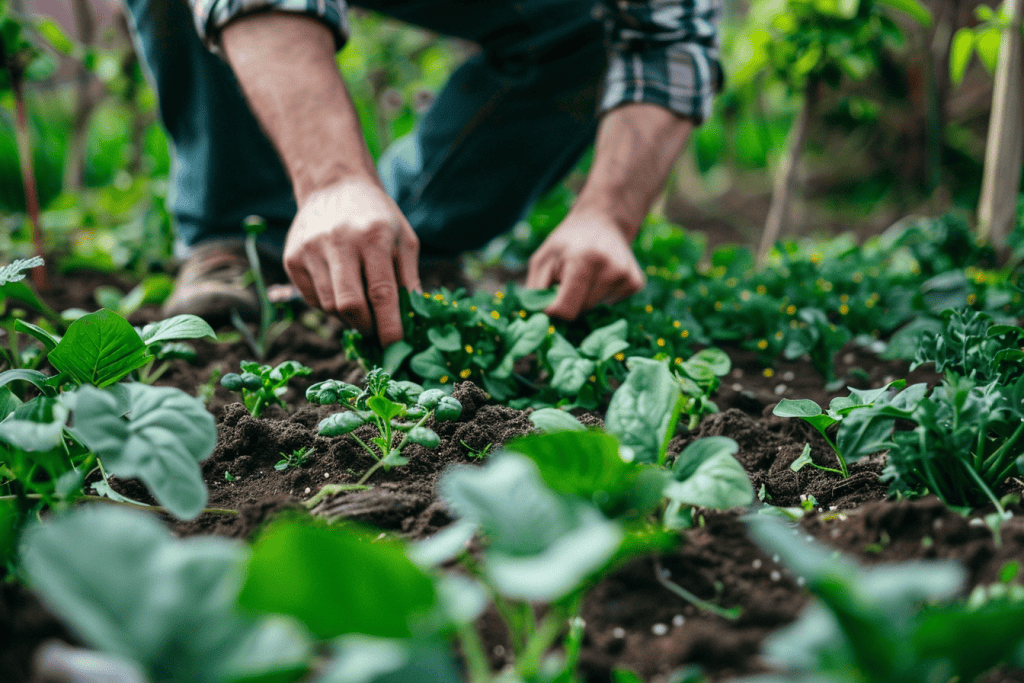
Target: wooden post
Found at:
x=1004, y=151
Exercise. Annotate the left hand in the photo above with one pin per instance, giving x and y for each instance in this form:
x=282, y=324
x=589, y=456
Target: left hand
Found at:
x=590, y=255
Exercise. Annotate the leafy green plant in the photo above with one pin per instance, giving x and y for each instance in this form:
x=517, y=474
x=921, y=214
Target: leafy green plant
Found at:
x=296, y=458
x=392, y=407
x=983, y=39
x=262, y=386
x=884, y=624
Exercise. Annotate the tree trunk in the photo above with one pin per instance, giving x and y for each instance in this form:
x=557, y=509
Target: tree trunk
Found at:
x=1004, y=151
x=785, y=176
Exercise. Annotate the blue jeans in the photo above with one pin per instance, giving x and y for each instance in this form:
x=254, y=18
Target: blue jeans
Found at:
x=510, y=123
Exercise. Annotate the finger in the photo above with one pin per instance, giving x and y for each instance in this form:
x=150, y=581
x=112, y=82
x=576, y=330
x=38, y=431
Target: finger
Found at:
x=614, y=289
x=382, y=293
x=407, y=261
x=347, y=287
x=300, y=277
x=543, y=272
x=573, y=292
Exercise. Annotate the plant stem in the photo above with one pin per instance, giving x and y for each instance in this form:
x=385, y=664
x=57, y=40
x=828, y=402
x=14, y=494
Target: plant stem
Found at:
x=111, y=501
x=659, y=574
x=839, y=456
x=473, y=650
x=984, y=487
x=528, y=666
x=994, y=461
x=266, y=308
x=399, y=447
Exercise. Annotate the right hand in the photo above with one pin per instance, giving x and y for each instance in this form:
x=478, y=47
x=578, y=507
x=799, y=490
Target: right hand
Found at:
x=348, y=251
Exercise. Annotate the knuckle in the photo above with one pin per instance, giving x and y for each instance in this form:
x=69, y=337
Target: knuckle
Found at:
x=382, y=293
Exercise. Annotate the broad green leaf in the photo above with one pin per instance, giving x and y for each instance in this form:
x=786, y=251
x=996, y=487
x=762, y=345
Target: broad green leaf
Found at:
x=19, y=291
x=444, y=545
x=805, y=409
x=605, y=342
x=446, y=338
x=578, y=462
x=537, y=299
x=359, y=659
x=429, y=364
x=912, y=7
x=36, y=426
x=643, y=411
x=336, y=581
x=560, y=350
x=542, y=544
x=987, y=45
x=33, y=377
x=862, y=433
x=48, y=340
x=383, y=407
x=521, y=339
x=716, y=360
x=395, y=355
x=571, y=375
x=960, y=54
x=99, y=348
x=553, y=420
x=179, y=327
x=162, y=442
x=129, y=588
x=707, y=475
x=8, y=402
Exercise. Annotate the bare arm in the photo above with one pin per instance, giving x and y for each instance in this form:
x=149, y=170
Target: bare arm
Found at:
x=349, y=238
x=590, y=253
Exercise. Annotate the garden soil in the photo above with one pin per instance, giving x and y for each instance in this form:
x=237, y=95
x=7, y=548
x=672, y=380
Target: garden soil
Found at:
x=632, y=620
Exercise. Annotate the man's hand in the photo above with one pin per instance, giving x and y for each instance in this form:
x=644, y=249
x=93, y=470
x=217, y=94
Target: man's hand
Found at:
x=343, y=252
x=591, y=257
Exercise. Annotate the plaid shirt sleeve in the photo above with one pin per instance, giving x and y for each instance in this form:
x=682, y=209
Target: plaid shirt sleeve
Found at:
x=213, y=15
x=663, y=52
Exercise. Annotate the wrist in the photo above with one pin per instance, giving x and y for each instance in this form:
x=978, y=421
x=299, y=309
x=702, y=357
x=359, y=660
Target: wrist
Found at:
x=610, y=209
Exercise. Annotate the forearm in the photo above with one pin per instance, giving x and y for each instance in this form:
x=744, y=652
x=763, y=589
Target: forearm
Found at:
x=285, y=66
x=637, y=146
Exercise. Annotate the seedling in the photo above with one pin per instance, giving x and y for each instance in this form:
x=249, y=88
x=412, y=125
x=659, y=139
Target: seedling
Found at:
x=296, y=458
x=392, y=407
x=269, y=328
x=262, y=386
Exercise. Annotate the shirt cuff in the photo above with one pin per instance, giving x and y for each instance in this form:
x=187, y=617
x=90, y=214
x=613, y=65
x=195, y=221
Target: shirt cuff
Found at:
x=211, y=16
x=682, y=77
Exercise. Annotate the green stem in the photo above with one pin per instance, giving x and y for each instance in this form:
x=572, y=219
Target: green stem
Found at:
x=473, y=650
x=528, y=666
x=259, y=406
x=984, y=487
x=367, y=447
x=401, y=444
x=827, y=469
x=111, y=501
x=266, y=307
x=839, y=456
x=994, y=461
x=731, y=614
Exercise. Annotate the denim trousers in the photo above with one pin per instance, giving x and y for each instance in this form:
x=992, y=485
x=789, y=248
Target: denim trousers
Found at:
x=508, y=125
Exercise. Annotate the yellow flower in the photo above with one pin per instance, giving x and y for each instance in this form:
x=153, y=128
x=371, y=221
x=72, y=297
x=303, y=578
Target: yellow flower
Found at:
x=761, y=289
x=972, y=298
x=465, y=373
x=791, y=310
x=472, y=308
x=684, y=334
x=439, y=297
x=620, y=356
x=816, y=257
x=768, y=372
x=495, y=315
x=649, y=308
x=661, y=342
x=443, y=379
x=844, y=298
x=455, y=304
x=522, y=314
x=762, y=344
x=676, y=324
x=779, y=335
x=499, y=295
x=844, y=309
x=412, y=314
x=858, y=277
x=469, y=349
x=678, y=360
x=592, y=378
x=551, y=329
x=718, y=305
x=732, y=282
x=426, y=295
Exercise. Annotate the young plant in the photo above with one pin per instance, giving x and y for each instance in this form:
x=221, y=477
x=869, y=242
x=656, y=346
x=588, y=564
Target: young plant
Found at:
x=262, y=386
x=392, y=407
x=885, y=624
x=296, y=458
x=268, y=328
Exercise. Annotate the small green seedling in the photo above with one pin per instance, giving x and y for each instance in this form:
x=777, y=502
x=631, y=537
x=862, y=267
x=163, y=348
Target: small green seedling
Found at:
x=296, y=458
x=269, y=327
x=391, y=407
x=262, y=386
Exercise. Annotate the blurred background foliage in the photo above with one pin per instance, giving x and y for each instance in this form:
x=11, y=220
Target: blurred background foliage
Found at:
x=892, y=135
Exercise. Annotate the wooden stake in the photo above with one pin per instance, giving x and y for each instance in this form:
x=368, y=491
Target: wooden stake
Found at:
x=1004, y=151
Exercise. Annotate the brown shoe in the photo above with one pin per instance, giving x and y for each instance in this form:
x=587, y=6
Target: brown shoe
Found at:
x=213, y=281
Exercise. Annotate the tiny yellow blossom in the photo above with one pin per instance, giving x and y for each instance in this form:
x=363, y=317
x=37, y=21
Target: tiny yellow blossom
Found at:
x=762, y=344
x=768, y=372
x=499, y=295
x=551, y=329
x=780, y=335
x=443, y=379
x=522, y=314
x=732, y=282
x=677, y=324
x=794, y=324
x=684, y=334
x=495, y=315
x=816, y=257
x=465, y=373
x=791, y=310
x=761, y=289
x=468, y=348
x=648, y=309
x=718, y=305
x=439, y=297
x=661, y=342
x=678, y=360
x=858, y=277
x=455, y=304
x=412, y=314
x=844, y=298
x=972, y=298
x=844, y=309
x=472, y=309
x=593, y=378
x=620, y=356
x=426, y=295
